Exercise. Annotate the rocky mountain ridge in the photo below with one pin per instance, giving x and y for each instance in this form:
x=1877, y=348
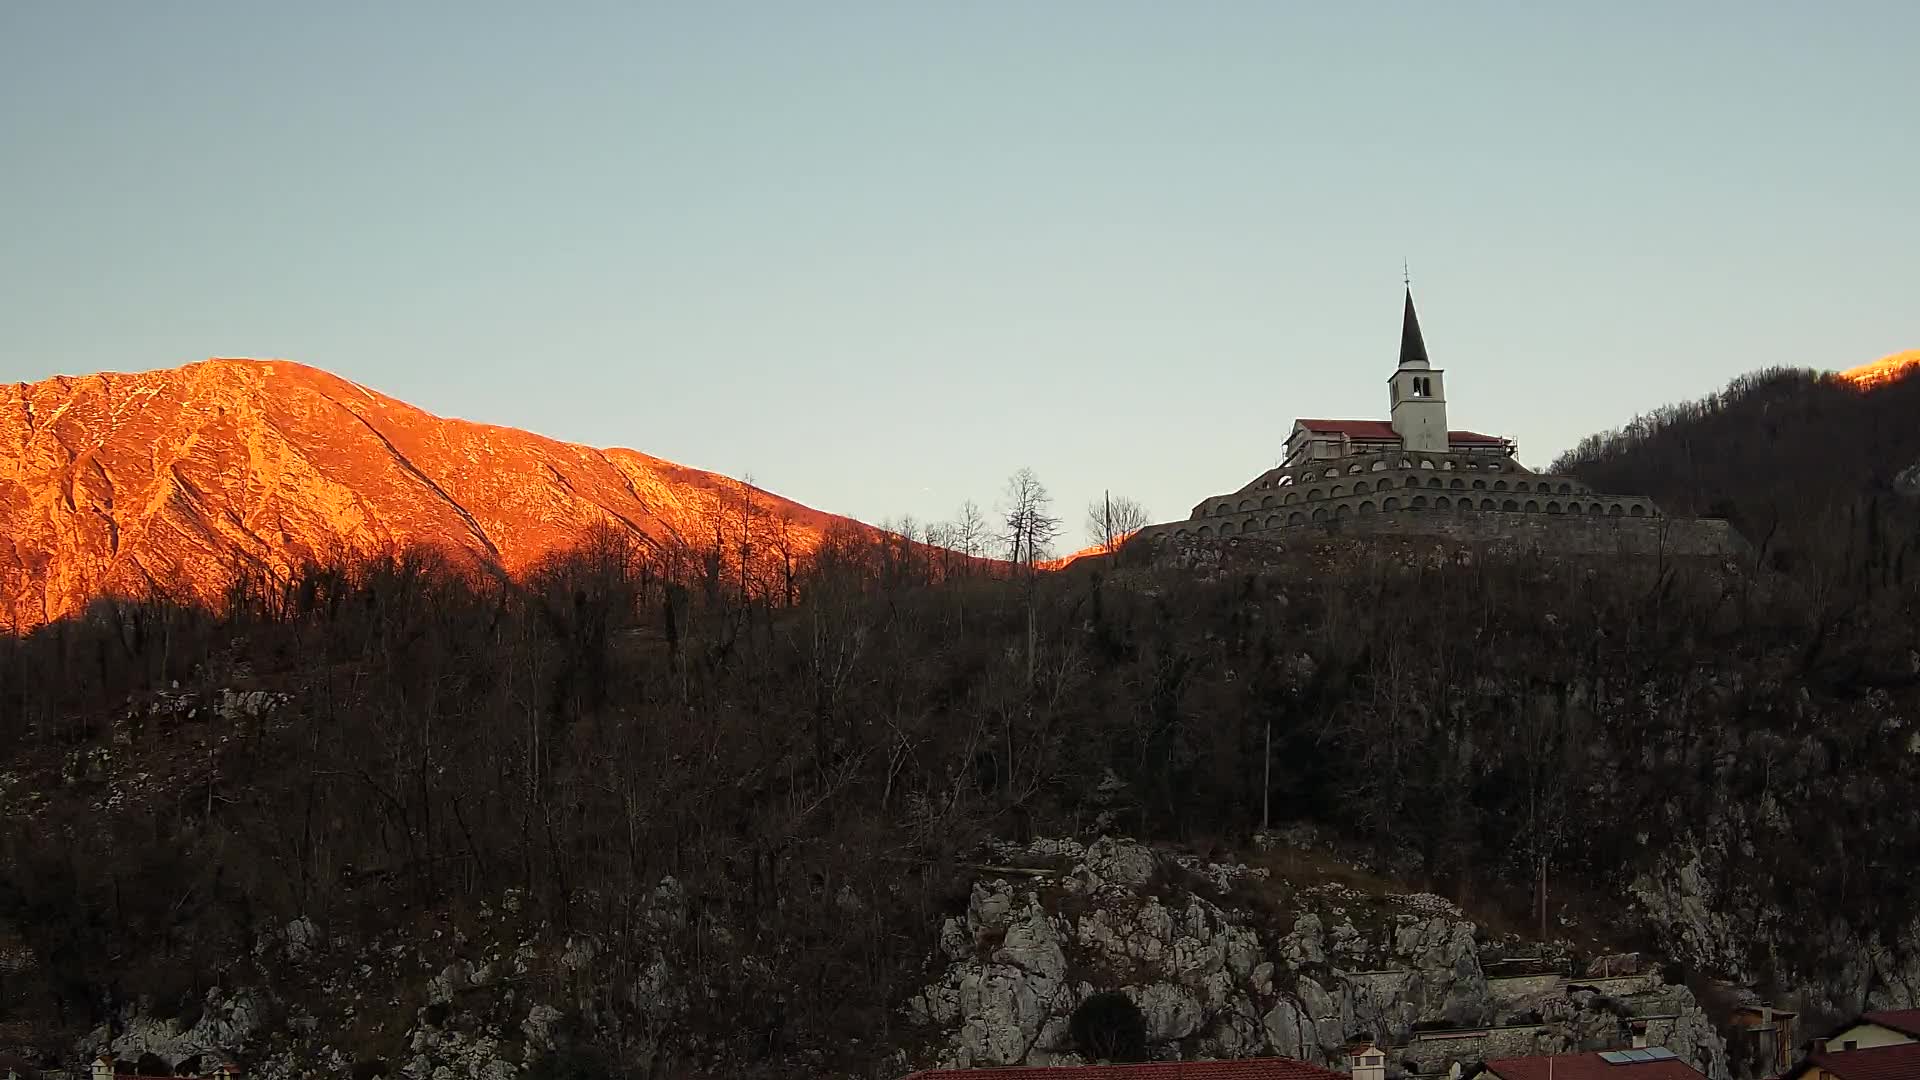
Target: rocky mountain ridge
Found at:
x=177, y=479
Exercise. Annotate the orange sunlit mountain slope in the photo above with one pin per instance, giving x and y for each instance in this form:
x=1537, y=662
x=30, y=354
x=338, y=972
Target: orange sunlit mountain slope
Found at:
x=121, y=482
x=1884, y=370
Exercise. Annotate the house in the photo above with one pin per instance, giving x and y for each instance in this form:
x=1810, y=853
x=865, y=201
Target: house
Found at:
x=1233, y=1069
x=1882, y=1045
x=1898, y=1061
x=1891, y=1027
x=1651, y=1063
x=1768, y=1035
x=105, y=1067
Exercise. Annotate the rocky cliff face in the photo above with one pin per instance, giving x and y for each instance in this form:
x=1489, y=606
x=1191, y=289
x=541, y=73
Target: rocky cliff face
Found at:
x=175, y=478
x=1222, y=961
x=1884, y=370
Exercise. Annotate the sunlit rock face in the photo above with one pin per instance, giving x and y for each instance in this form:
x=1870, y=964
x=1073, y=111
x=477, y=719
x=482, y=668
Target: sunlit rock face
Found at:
x=1884, y=370
x=176, y=478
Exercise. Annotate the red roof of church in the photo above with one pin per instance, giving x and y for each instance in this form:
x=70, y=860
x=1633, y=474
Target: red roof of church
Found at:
x=1900, y=1062
x=1238, y=1069
x=1383, y=430
x=1589, y=1067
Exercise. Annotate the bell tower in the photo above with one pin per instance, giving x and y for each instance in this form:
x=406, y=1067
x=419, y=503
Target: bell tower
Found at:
x=1418, y=391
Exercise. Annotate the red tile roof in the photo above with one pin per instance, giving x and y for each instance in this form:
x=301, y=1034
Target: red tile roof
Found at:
x=1904, y=1021
x=1354, y=429
x=1589, y=1067
x=1473, y=437
x=1382, y=431
x=1877, y=1063
x=1238, y=1069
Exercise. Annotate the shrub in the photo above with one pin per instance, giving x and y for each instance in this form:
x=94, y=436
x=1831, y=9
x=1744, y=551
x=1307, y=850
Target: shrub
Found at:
x=1108, y=1027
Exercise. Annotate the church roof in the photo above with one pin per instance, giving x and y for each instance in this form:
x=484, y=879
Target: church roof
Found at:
x=1413, y=348
x=1382, y=431
x=1353, y=429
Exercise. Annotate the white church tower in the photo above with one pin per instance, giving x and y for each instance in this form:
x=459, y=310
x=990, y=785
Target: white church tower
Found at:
x=1419, y=395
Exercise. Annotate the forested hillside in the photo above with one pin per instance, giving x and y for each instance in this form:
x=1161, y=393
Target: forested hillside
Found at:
x=1799, y=461
x=387, y=747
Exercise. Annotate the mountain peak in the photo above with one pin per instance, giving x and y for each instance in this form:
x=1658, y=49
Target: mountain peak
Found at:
x=174, y=478
x=1884, y=370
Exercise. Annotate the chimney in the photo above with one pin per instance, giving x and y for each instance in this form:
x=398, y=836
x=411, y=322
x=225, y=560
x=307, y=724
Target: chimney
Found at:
x=1369, y=1062
x=1819, y=1046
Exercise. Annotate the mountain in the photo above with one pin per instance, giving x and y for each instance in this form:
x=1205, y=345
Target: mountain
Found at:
x=1788, y=456
x=176, y=478
x=1884, y=370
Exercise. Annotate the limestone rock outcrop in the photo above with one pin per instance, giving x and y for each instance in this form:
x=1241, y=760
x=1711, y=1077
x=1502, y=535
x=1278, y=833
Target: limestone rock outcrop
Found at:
x=1298, y=975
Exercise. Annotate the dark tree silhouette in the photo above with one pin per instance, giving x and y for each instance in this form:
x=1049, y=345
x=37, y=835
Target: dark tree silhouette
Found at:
x=1108, y=1027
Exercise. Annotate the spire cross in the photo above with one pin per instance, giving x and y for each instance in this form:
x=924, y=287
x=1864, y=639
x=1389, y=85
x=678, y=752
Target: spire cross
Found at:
x=1406, y=277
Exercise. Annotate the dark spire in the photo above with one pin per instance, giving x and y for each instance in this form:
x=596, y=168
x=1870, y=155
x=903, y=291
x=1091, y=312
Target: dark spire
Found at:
x=1413, y=349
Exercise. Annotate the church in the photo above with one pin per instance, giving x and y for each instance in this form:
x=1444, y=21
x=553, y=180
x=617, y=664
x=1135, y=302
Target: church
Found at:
x=1412, y=474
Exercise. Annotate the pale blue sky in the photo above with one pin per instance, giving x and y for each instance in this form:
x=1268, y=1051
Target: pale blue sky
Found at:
x=881, y=255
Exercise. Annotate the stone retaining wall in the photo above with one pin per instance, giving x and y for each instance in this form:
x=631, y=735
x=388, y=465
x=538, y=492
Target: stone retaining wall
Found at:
x=1557, y=533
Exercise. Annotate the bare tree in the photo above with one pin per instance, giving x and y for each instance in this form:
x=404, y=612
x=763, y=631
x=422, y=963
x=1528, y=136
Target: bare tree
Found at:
x=1113, y=520
x=1030, y=525
x=969, y=533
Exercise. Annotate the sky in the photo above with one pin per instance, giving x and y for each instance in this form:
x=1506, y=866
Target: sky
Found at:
x=878, y=256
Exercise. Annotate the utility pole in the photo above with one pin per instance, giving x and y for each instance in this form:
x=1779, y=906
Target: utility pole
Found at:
x=1266, y=778
x=1543, y=899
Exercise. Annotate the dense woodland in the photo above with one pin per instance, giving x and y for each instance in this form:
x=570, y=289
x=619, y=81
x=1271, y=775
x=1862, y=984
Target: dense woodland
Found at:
x=812, y=746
